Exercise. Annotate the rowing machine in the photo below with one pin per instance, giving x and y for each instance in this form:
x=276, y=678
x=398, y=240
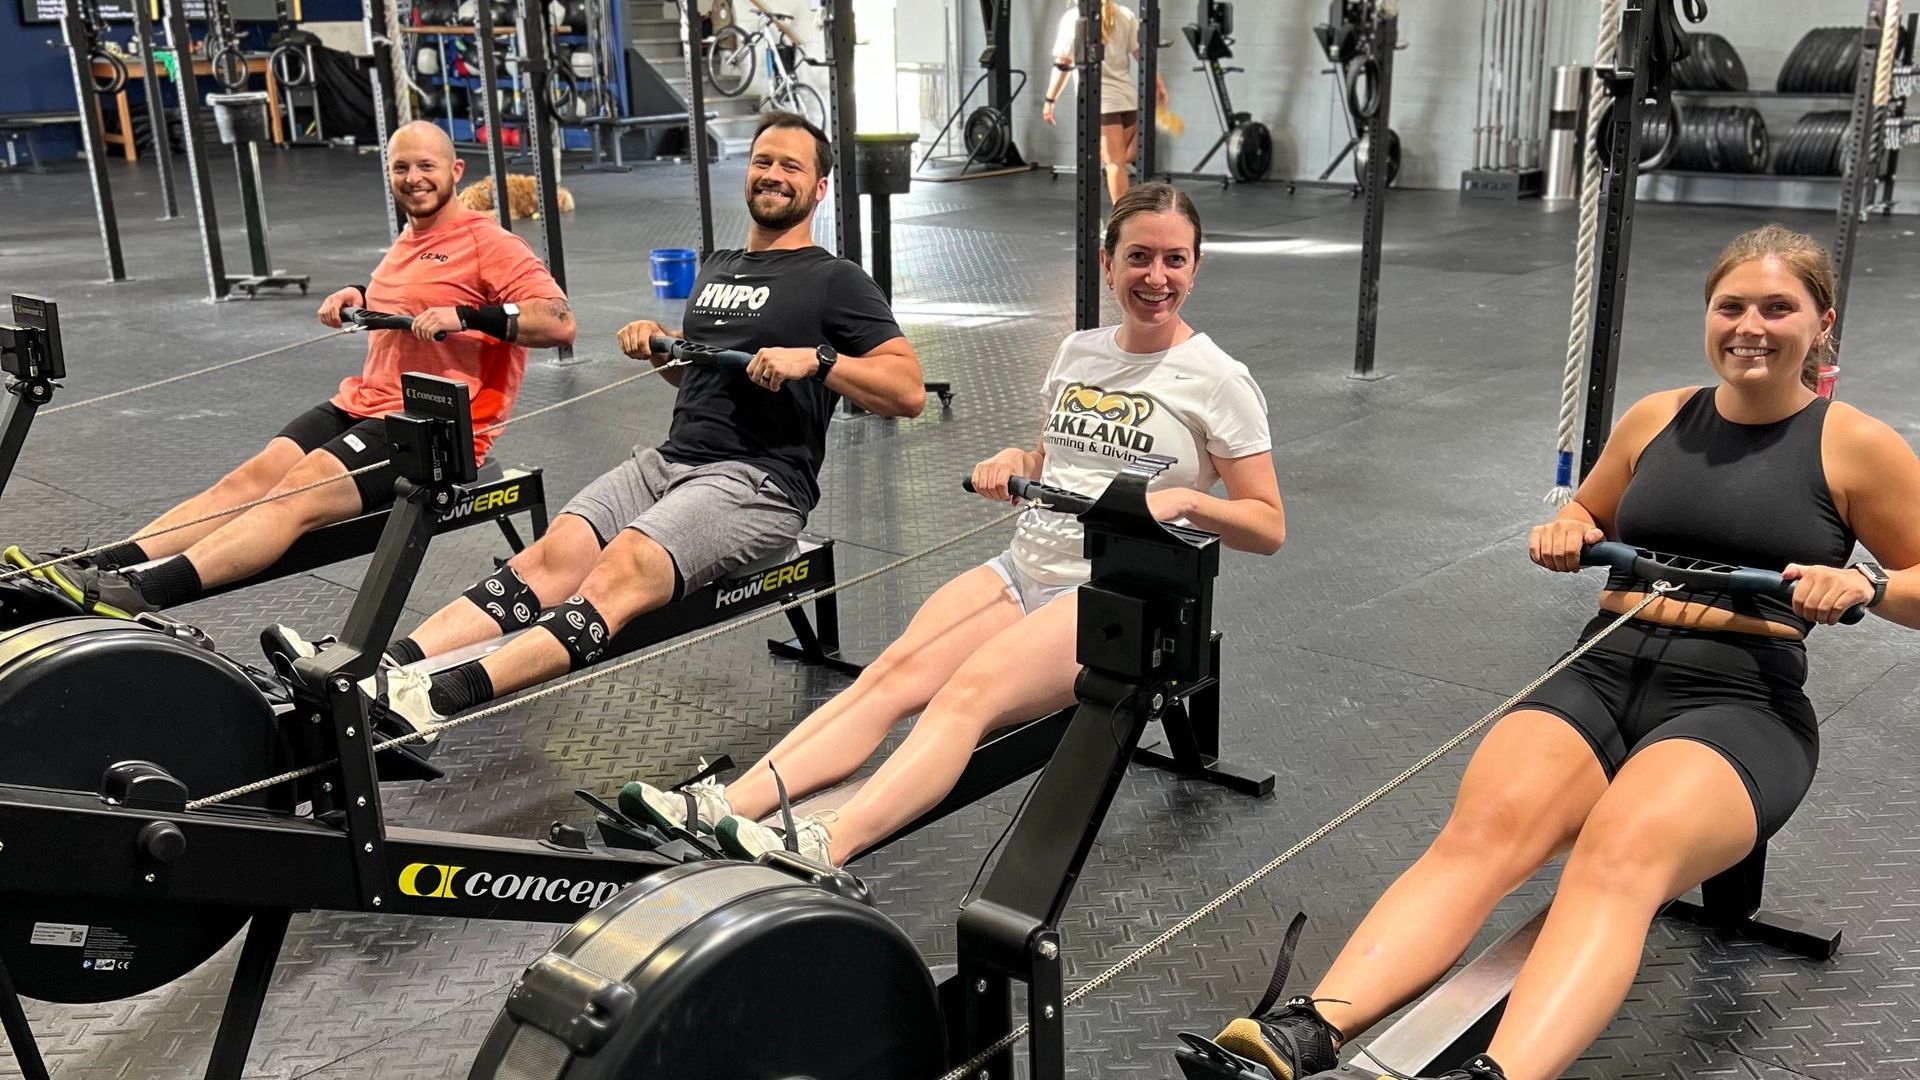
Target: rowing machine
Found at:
x=614, y=997
x=115, y=886
x=1455, y=1020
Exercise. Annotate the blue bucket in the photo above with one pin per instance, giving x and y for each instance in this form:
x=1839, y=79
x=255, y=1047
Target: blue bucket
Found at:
x=673, y=272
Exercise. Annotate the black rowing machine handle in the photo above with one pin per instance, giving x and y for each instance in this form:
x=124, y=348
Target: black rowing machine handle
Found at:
x=1069, y=502
x=694, y=352
x=381, y=320
x=1740, y=581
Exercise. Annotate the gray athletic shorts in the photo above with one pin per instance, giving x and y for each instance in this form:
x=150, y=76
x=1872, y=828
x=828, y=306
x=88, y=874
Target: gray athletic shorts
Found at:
x=712, y=519
x=1030, y=592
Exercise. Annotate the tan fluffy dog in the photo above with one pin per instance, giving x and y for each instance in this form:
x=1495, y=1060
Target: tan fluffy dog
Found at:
x=522, y=201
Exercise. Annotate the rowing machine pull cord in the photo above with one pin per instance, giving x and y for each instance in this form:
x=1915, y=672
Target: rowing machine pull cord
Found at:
x=72, y=556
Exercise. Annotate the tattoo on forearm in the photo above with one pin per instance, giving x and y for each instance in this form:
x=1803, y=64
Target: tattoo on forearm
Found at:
x=559, y=310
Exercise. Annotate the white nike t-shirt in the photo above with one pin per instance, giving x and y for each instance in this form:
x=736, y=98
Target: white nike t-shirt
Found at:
x=1117, y=90
x=1106, y=407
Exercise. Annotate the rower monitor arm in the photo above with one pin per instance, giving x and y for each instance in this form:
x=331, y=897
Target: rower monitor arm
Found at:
x=31, y=357
x=432, y=443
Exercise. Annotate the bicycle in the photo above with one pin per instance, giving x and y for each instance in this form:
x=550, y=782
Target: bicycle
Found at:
x=732, y=59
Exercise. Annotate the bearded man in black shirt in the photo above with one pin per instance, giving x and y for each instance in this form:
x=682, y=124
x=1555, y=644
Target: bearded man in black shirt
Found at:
x=737, y=475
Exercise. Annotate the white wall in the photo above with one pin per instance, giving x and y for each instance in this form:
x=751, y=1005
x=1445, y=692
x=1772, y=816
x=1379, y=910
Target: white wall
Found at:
x=1434, y=77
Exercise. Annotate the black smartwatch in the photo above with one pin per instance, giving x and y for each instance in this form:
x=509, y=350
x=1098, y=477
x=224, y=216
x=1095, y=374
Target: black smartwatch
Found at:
x=827, y=357
x=1875, y=575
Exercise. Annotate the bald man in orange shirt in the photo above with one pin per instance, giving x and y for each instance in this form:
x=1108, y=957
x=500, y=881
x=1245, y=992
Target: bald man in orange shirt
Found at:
x=456, y=272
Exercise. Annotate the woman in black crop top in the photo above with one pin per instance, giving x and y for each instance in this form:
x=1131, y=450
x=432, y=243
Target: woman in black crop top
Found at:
x=1665, y=754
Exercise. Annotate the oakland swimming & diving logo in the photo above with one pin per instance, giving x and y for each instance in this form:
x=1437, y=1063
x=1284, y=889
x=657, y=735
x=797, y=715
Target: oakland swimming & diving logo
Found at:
x=1103, y=421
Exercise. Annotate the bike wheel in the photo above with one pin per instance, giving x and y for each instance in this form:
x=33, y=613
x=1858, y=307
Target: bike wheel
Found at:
x=731, y=62
x=805, y=100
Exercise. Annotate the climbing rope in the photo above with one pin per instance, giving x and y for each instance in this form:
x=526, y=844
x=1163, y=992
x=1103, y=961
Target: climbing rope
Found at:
x=1580, y=329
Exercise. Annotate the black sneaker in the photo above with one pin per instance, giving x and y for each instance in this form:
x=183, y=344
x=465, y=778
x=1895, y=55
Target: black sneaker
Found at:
x=1292, y=1041
x=98, y=592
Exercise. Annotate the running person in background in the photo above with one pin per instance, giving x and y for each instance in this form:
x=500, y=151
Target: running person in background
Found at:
x=457, y=273
x=1683, y=740
x=995, y=646
x=735, y=479
x=1119, y=96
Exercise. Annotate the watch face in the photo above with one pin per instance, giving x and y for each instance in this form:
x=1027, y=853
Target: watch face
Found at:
x=511, y=309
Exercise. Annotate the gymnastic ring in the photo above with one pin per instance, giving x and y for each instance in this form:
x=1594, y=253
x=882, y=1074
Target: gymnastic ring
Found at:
x=1370, y=68
x=116, y=79
x=561, y=92
x=229, y=67
x=290, y=67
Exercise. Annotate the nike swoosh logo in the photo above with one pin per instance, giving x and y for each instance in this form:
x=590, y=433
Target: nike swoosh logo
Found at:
x=719, y=322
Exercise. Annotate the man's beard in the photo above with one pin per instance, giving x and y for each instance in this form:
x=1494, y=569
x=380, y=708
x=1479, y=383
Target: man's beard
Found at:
x=440, y=197
x=792, y=214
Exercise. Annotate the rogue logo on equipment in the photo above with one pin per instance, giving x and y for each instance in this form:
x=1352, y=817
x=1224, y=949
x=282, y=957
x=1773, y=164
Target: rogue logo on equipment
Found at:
x=438, y=881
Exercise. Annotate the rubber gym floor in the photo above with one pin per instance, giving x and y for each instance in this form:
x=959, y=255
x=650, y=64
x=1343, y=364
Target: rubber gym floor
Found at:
x=1401, y=608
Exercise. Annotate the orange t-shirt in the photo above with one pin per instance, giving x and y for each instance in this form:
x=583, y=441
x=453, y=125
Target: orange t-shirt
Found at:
x=468, y=260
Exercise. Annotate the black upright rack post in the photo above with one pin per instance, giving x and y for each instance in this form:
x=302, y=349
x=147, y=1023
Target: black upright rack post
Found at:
x=536, y=65
x=386, y=55
x=1149, y=78
x=1866, y=132
x=1631, y=81
x=846, y=190
x=1088, y=177
x=149, y=50
x=489, y=46
x=697, y=123
x=181, y=42
x=1383, y=31
x=78, y=31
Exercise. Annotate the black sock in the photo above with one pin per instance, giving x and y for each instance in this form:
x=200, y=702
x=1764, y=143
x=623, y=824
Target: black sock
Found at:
x=164, y=584
x=120, y=555
x=405, y=651
x=456, y=690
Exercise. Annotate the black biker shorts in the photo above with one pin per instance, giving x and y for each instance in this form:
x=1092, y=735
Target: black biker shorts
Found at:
x=354, y=441
x=1739, y=694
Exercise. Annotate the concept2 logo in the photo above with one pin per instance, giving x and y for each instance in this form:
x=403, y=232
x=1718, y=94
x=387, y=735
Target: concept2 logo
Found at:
x=440, y=882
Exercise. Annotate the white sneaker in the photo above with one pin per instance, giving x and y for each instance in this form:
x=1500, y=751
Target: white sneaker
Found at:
x=667, y=809
x=403, y=696
x=744, y=838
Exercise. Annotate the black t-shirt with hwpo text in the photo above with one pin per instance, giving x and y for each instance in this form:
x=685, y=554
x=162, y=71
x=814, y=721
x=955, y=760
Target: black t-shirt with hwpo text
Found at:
x=752, y=300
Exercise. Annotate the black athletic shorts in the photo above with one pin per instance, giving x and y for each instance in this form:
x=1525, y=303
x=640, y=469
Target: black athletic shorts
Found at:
x=1739, y=694
x=352, y=440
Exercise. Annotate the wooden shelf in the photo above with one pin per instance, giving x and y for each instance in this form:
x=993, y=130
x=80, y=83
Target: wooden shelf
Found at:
x=468, y=31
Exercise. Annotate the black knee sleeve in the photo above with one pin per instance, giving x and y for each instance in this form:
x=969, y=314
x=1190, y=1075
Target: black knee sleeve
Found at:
x=506, y=599
x=578, y=627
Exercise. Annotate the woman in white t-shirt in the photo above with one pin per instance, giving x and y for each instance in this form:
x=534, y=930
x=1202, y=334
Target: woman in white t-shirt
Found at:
x=995, y=646
x=1119, y=97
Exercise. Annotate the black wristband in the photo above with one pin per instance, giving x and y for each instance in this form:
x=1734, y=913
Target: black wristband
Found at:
x=490, y=320
x=364, y=300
